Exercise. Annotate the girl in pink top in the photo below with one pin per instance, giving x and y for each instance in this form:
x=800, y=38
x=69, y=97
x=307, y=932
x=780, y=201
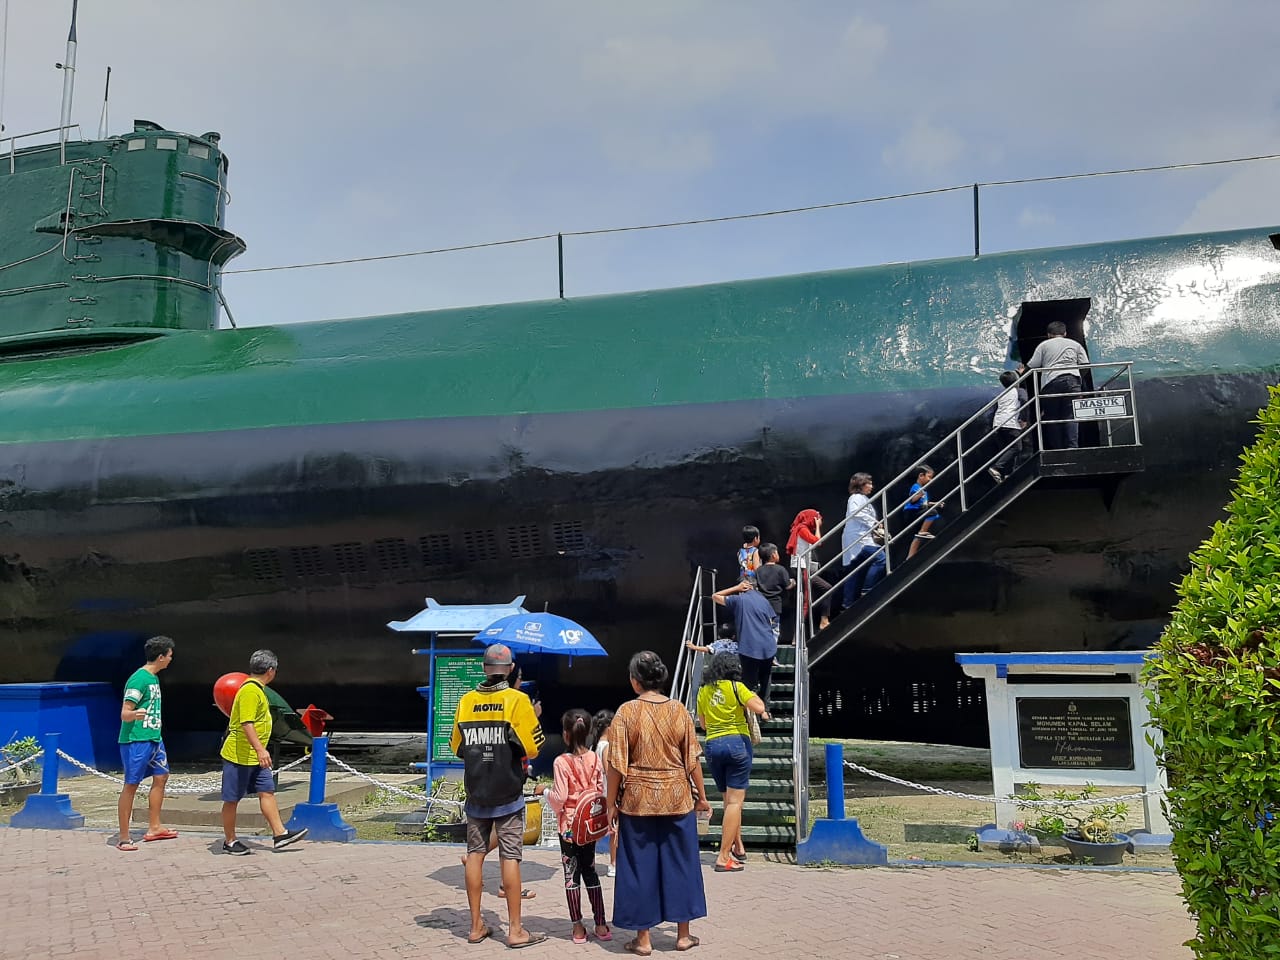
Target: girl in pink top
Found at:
x=576, y=771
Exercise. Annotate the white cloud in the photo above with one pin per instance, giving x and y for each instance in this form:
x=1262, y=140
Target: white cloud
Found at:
x=664, y=69
x=660, y=151
x=925, y=148
x=1249, y=197
x=1036, y=217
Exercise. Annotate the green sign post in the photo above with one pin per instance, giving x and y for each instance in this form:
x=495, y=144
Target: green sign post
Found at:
x=454, y=675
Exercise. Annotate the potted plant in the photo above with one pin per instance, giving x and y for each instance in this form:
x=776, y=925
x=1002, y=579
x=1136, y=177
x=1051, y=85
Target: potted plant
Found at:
x=18, y=782
x=445, y=821
x=1089, y=830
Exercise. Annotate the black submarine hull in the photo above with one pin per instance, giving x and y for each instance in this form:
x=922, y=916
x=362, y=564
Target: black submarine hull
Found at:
x=308, y=540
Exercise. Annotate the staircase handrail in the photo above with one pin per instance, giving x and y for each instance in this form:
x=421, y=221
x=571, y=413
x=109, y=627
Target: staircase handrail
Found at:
x=800, y=707
x=688, y=663
x=1123, y=368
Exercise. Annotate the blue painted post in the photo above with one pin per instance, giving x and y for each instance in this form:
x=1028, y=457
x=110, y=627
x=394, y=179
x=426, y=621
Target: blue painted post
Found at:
x=323, y=821
x=319, y=769
x=835, y=781
x=836, y=838
x=49, y=773
x=48, y=809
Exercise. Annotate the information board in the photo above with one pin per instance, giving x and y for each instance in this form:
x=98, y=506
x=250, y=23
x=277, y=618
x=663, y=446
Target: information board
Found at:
x=454, y=676
x=1074, y=733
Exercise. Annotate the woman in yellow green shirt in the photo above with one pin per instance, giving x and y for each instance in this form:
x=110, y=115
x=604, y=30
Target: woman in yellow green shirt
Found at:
x=722, y=701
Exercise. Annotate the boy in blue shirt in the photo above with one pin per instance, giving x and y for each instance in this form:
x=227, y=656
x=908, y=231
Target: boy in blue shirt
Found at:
x=749, y=555
x=918, y=505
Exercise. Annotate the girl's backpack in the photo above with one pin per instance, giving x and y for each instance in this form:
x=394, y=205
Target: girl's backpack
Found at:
x=588, y=817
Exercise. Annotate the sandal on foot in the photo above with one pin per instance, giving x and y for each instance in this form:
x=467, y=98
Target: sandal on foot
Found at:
x=606, y=936
x=689, y=944
x=488, y=932
x=733, y=866
x=126, y=845
x=580, y=937
x=633, y=946
x=160, y=835
x=533, y=938
x=525, y=894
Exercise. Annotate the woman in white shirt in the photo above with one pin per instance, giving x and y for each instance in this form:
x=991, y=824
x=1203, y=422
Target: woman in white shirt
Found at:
x=859, y=548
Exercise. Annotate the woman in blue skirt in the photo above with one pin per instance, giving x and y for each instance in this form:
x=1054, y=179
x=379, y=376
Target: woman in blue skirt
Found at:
x=653, y=755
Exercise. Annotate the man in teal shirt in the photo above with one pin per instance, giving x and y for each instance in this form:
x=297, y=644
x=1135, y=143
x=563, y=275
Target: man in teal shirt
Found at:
x=141, y=746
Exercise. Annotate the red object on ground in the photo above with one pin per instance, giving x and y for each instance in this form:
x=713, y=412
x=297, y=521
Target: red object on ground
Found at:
x=225, y=689
x=314, y=719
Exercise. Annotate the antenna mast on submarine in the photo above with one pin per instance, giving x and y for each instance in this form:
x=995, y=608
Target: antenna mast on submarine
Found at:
x=4, y=59
x=68, y=68
x=106, y=97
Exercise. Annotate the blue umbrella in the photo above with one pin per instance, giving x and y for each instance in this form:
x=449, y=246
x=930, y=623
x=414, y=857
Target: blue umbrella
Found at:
x=542, y=633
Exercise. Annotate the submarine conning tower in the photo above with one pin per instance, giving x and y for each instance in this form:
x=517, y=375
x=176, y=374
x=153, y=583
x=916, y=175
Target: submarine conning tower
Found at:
x=110, y=241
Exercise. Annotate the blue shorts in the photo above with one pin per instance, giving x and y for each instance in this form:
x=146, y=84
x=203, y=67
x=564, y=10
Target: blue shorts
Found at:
x=239, y=780
x=729, y=758
x=142, y=759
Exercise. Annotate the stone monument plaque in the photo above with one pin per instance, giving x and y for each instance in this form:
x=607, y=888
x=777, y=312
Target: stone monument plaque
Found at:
x=1074, y=733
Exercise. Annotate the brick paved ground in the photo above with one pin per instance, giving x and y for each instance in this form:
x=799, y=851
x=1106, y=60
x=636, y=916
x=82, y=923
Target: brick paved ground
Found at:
x=71, y=894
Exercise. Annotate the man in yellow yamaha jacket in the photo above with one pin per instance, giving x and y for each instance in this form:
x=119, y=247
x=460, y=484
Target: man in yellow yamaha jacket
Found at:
x=494, y=731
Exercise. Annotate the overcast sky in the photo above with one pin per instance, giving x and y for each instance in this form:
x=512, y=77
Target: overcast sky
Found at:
x=382, y=126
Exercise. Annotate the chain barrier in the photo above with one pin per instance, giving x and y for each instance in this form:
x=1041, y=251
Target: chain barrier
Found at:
x=22, y=763
x=190, y=786
x=392, y=789
x=181, y=787
x=1091, y=802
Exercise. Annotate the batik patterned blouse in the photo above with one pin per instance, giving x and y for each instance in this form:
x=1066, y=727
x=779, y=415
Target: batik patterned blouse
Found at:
x=654, y=746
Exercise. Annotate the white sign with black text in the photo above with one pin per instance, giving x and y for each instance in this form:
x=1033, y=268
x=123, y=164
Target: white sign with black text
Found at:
x=1100, y=408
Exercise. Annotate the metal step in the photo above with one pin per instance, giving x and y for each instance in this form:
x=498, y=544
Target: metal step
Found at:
x=775, y=789
x=766, y=751
x=756, y=836
x=762, y=812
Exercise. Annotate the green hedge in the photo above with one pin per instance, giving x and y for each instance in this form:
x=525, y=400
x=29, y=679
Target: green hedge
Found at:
x=1216, y=696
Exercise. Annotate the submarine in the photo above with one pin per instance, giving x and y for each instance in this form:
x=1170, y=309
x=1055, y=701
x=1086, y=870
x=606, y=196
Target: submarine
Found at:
x=299, y=486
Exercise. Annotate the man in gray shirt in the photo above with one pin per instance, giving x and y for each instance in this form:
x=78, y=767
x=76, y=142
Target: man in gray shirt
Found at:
x=1059, y=357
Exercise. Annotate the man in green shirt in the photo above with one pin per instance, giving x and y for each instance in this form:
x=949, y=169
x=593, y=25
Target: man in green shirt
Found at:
x=141, y=746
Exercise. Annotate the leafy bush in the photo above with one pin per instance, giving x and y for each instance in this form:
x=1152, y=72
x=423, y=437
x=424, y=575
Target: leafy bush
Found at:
x=1215, y=694
x=17, y=750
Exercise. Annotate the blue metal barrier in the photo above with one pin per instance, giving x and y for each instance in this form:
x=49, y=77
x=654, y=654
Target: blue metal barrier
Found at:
x=323, y=821
x=48, y=809
x=833, y=838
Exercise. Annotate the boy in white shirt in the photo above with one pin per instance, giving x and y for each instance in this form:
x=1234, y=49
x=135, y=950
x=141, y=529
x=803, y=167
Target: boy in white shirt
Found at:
x=1007, y=425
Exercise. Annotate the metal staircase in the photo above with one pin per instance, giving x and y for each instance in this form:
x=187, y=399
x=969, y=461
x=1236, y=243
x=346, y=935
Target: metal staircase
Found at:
x=776, y=813
x=1111, y=447
x=768, y=815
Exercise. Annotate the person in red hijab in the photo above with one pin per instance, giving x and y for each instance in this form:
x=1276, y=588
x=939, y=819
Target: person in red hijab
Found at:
x=806, y=530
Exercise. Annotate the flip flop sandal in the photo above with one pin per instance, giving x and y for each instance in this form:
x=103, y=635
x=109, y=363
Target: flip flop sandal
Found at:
x=525, y=894
x=580, y=937
x=160, y=835
x=632, y=947
x=606, y=936
x=732, y=867
x=533, y=938
x=127, y=846
x=488, y=932
x=693, y=942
